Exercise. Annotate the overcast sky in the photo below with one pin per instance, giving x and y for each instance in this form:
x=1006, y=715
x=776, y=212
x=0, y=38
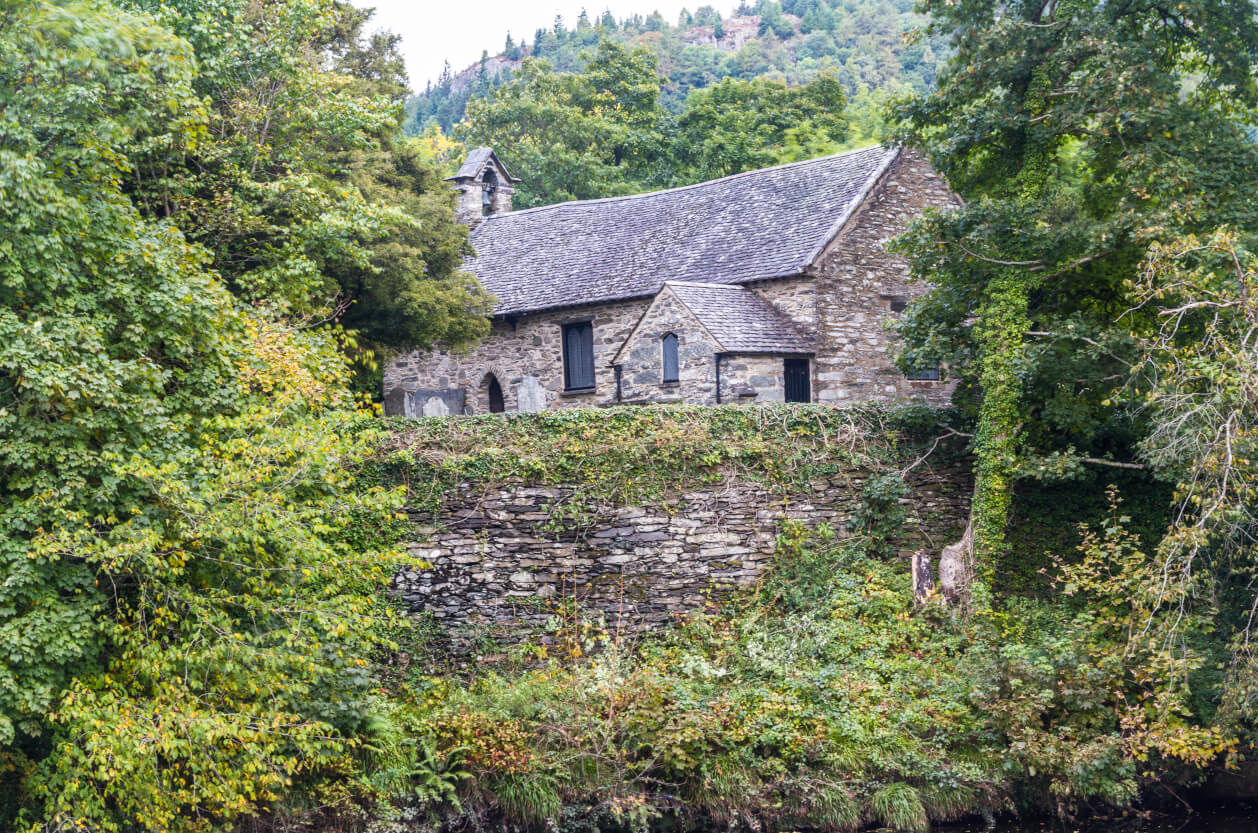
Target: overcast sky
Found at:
x=434, y=31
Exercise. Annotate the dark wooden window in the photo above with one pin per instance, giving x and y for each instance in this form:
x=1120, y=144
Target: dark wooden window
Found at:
x=578, y=356
x=670, y=358
x=925, y=374
x=798, y=386
x=496, y=405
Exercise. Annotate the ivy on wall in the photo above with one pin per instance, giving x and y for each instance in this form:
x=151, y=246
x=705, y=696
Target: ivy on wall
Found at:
x=634, y=455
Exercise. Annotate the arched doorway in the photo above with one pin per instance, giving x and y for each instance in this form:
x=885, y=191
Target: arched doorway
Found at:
x=494, y=390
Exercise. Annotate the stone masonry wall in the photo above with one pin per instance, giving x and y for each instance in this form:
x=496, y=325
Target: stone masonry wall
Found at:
x=796, y=298
x=858, y=282
x=642, y=359
x=753, y=379
x=744, y=378
x=496, y=565
x=526, y=356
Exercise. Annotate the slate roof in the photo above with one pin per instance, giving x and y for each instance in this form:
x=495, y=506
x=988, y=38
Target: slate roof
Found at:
x=740, y=320
x=475, y=163
x=761, y=224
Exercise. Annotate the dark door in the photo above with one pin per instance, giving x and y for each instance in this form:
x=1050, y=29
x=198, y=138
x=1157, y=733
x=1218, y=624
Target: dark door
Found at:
x=798, y=388
x=495, y=396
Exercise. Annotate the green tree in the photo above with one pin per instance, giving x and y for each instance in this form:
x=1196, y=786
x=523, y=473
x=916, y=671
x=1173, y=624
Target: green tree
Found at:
x=411, y=292
x=180, y=545
x=573, y=136
x=1078, y=135
x=267, y=192
x=736, y=126
x=257, y=194
x=1198, y=377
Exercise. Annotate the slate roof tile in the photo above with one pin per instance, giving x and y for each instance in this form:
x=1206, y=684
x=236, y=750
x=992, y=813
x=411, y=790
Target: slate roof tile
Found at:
x=475, y=163
x=760, y=224
x=740, y=320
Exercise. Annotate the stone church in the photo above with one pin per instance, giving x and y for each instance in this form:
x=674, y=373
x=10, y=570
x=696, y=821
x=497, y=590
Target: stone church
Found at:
x=773, y=285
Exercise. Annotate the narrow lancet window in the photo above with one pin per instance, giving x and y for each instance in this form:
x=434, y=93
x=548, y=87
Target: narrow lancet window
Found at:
x=670, y=358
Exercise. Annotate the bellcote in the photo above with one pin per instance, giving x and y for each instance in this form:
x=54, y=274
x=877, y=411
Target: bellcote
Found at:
x=484, y=185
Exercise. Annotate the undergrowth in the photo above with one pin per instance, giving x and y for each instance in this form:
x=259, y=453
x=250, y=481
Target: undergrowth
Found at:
x=821, y=698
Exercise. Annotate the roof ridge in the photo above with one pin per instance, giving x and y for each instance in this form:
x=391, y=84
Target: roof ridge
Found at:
x=853, y=205
x=707, y=284
x=569, y=203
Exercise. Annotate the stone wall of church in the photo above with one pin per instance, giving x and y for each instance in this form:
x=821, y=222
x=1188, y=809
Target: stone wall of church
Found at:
x=752, y=379
x=859, y=281
x=744, y=378
x=795, y=297
x=526, y=358
x=642, y=359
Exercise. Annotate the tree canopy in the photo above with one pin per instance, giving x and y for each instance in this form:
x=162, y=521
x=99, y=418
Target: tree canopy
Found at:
x=181, y=544
x=299, y=106
x=1126, y=126
x=1086, y=139
x=603, y=131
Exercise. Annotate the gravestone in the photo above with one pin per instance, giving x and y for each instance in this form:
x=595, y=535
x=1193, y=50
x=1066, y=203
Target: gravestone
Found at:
x=427, y=403
x=435, y=406
x=530, y=395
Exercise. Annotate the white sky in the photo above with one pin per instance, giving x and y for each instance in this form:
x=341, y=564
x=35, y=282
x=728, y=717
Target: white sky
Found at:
x=434, y=31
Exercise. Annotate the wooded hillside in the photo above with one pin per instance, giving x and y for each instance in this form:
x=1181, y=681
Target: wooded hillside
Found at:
x=875, y=48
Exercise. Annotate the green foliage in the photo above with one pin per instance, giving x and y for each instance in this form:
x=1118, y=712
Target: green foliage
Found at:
x=1096, y=696
x=899, y=807
x=871, y=47
x=734, y=126
x=411, y=293
x=824, y=699
x=573, y=136
x=820, y=698
x=1046, y=519
x=176, y=466
x=526, y=798
x=111, y=335
x=1078, y=135
x=1002, y=322
x=602, y=132
x=1198, y=377
x=628, y=455
x=881, y=514
x=763, y=715
x=296, y=188
x=256, y=191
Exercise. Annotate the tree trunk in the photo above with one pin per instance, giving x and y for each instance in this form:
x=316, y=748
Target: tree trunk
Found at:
x=956, y=568
x=923, y=577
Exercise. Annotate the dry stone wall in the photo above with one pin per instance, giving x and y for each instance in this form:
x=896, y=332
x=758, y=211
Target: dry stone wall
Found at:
x=503, y=560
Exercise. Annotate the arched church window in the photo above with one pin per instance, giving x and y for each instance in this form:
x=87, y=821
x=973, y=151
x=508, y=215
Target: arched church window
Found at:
x=494, y=394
